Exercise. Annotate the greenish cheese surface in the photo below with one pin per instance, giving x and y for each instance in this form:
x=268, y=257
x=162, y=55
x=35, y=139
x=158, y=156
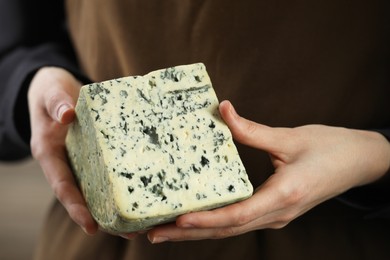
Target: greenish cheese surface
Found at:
x=146, y=149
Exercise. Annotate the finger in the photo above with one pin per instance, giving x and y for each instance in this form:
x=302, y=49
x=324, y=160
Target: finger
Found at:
x=273, y=197
x=170, y=232
x=60, y=105
x=236, y=214
x=61, y=180
x=54, y=91
x=65, y=113
x=250, y=133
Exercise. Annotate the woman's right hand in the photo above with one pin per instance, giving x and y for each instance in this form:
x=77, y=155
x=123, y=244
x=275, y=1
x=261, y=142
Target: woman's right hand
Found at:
x=52, y=96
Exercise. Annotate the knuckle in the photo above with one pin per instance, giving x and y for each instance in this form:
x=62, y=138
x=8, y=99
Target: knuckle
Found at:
x=251, y=127
x=240, y=215
x=250, y=130
x=242, y=218
x=293, y=197
x=286, y=218
x=52, y=102
x=60, y=189
x=290, y=195
x=293, y=140
x=246, y=131
x=39, y=145
x=225, y=233
x=37, y=150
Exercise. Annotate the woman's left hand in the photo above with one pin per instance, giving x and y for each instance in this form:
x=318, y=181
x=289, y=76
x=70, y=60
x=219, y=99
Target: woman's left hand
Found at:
x=313, y=163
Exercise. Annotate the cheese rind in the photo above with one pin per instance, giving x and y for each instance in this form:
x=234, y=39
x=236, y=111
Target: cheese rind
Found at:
x=146, y=149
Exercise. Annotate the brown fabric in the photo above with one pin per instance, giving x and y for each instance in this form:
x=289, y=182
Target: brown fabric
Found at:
x=281, y=63
x=330, y=231
x=62, y=239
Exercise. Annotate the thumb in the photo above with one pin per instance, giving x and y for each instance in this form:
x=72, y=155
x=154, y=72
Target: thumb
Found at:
x=60, y=105
x=61, y=100
x=54, y=92
x=248, y=132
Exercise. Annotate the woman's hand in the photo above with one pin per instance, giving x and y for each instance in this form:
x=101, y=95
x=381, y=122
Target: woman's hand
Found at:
x=312, y=163
x=52, y=97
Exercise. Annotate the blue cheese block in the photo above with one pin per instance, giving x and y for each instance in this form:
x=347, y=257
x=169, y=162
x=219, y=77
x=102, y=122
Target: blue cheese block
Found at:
x=146, y=149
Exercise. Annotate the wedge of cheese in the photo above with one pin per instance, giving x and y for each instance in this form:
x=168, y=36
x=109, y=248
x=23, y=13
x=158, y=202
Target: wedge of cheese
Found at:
x=146, y=149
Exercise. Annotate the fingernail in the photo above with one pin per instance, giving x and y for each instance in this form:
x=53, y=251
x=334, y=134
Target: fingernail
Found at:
x=157, y=240
x=232, y=110
x=123, y=236
x=186, y=225
x=61, y=110
x=85, y=230
x=129, y=236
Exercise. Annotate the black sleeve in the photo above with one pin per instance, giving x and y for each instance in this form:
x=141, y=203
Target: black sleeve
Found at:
x=385, y=133
x=32, y=35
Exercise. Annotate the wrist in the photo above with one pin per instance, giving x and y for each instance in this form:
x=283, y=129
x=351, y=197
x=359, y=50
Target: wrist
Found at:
x=377, y=155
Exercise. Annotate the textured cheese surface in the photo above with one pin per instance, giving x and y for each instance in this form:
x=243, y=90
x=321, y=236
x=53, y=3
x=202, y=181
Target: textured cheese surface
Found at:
x=146, y=149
